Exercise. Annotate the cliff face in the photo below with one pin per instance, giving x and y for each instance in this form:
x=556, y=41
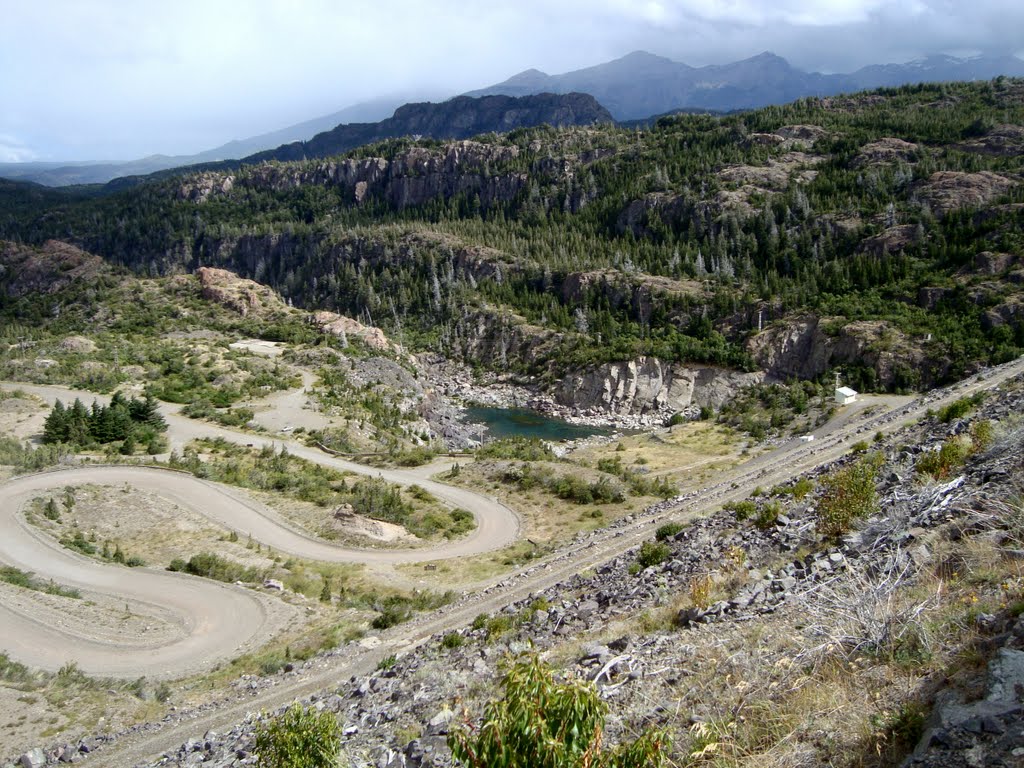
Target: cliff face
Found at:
x=647, y=384
x=411, y=178
x=456, y=118
x=805, y=348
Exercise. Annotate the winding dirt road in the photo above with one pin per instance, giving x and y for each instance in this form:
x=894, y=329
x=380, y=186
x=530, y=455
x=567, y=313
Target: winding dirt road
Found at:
x=212, y=621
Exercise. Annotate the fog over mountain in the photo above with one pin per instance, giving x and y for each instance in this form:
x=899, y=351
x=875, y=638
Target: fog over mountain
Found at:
x=108, y=80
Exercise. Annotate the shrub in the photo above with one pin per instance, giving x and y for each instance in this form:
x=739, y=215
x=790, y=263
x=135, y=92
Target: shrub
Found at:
x=298, y=738
x=959, y=408
x=768, y=515
x=742, y=509
x=520, y=448
x=215, y=567
x=652, y=553
x=849, y=493
x=452, y=640
x=941, y=463
x=700, y=590
x=543, y=723
x=668, y=530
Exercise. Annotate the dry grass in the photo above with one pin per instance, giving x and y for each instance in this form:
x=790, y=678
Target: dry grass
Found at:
x=689, y=453
x=546, y=519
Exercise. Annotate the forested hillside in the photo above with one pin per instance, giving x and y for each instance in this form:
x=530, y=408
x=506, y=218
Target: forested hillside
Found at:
x=881, y=234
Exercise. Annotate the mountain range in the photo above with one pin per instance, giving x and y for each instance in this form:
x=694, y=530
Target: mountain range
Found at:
x=636, y=86
x=641, y=84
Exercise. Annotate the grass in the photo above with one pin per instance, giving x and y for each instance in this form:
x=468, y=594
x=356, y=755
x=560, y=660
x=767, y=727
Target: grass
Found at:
x=27, y=580
x=282, y=473
x=477, y=568
x=686, y=454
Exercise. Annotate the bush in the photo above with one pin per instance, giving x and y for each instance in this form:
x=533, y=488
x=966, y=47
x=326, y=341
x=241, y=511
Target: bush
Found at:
x=452, y=640
x=848, y=494
x=211, y=566
x=542, y=723
x=959, y=408
x=742, y=509
x=519, y=448
x=652, y=553
x=768, y=515
x=298, y=738
x=668, y=530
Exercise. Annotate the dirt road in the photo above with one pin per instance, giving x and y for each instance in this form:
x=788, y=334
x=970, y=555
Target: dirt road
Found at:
x=212, y=621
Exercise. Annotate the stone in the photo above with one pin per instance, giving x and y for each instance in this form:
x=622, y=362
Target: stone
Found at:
x=273, y=584
x=1006, y=677
x=34, y=758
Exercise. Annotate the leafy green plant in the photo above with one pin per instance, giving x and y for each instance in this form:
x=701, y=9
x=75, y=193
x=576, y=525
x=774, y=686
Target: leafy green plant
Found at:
x=652, y=553
x=452, y=640
x=667, y=531
x=847, y=494
x=541, y=722
x=298, y=738
x=960, y=407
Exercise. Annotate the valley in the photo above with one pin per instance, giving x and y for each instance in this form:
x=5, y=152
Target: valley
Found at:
x=356, y=427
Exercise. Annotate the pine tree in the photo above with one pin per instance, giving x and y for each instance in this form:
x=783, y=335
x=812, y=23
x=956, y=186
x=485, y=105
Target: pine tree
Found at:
x=55, y=429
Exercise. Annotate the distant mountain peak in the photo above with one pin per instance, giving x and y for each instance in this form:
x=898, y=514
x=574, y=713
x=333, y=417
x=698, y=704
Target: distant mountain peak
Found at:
x=637, y=56
x=641, y=84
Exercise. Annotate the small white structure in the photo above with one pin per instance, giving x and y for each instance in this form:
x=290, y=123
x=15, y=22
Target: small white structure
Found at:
x=845, y=395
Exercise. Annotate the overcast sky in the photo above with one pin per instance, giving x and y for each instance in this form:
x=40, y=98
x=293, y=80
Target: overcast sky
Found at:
x=121, y=79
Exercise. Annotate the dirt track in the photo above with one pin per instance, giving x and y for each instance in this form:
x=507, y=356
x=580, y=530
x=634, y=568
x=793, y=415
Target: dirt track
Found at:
x=212, y=621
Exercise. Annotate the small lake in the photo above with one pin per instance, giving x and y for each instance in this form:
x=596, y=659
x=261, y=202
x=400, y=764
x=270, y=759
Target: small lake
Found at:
x=522, y=422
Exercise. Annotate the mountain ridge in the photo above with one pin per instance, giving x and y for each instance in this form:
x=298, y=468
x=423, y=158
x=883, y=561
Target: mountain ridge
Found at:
x=641, y=84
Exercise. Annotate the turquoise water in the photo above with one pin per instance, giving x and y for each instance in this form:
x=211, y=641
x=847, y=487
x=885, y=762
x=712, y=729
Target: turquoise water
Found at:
x=521, y=422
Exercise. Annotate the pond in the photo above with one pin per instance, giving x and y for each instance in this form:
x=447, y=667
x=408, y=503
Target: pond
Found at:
x=522, y=422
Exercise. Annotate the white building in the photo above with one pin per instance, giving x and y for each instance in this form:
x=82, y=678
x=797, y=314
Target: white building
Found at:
x=845, y=395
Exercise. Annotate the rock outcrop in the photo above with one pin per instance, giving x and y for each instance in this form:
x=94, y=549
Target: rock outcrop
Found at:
x=648, y=385
x=46, y=269
x=237, y=293
x=345, y=328
x=947, y=191
x=804, y=348
x=412, y=177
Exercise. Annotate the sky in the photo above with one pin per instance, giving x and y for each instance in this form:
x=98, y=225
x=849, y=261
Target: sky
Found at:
x=123, y=79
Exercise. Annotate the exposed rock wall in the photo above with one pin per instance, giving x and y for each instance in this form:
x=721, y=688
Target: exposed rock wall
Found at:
x=412, y=177
x=648, y=384
x=805, y=349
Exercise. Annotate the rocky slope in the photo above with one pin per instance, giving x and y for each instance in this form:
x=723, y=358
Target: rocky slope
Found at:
x=785, y=606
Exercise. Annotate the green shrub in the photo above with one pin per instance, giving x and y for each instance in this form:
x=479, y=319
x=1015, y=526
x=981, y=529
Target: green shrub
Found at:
x=943, y=462
x=299, y=738
x=519, y=448
x=960, y=408
x=848, y=494
x=767, y=515
x=211, y=566
x=452, y=640
x=543, y=723
x=652, y=553
x=742, y=509
x=667, y=530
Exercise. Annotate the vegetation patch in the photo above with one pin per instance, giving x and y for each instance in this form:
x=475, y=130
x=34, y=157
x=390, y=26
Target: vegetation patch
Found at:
x=28, y=580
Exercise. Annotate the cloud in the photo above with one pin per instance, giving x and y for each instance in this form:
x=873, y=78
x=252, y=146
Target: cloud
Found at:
x=119, y=78
x=14, y=151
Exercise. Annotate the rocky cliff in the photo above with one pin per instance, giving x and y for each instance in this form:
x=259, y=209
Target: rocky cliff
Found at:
x=648, y=384
x=807, y=347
